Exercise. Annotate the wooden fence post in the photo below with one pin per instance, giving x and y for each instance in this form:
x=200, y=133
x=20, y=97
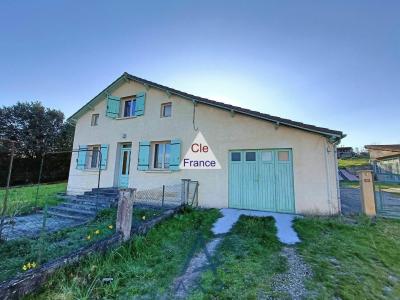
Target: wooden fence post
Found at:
x=367, y=192
x=184, y=195
x=124, y=212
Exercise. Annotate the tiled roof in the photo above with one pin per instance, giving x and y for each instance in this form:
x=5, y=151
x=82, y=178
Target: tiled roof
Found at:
x=393, y=147
x=281, y=121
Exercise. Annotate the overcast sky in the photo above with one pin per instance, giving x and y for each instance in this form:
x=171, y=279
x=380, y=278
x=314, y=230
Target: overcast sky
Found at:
x=334, y=64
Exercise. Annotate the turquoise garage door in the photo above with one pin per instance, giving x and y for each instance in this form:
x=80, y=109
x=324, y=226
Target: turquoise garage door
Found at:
x=261, y=180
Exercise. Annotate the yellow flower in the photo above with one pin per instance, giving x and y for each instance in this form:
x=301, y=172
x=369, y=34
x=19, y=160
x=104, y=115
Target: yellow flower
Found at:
x=144, y=218
x=88, y=237
x=110, y=226
x=33, y=264
x=24, y=268
x=28, y=265
x=97, y=231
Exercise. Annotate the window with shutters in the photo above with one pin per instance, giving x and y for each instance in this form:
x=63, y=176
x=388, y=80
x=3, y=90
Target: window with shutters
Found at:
x=93, y=157
x=128, y=107
x=161, y=154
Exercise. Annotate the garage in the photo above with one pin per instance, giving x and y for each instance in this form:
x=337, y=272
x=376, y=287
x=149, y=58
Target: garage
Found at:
x=261, y=180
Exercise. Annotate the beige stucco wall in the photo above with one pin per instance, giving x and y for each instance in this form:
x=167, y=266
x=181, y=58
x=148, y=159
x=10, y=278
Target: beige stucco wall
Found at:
x=314, y=168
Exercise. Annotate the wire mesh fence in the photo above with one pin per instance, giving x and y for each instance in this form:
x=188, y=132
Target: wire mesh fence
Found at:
x=162, y=196
x=41, y=221
x=38, y=222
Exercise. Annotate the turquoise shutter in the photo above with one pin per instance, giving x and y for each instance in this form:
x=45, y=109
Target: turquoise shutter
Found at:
x=140, y=99
x=144, y=156
x=104, y=156
x=175, y=155
x=113, y=106
x=81, y=160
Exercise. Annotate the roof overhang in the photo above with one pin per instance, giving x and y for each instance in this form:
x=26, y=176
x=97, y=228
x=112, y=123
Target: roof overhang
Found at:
x=333, y=135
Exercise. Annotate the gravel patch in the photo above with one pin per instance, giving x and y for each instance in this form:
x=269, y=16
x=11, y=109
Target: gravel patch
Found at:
x=291, y=283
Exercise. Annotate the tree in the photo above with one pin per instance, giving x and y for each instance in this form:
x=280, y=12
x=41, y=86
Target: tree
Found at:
x=35, y=129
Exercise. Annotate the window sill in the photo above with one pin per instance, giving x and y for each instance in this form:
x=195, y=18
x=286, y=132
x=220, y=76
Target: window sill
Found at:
x=158, y=171
x=91, y=170
x=124, y=118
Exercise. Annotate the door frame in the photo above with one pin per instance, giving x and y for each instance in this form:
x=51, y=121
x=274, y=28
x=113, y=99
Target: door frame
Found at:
x=257, y=155
x=119, y=157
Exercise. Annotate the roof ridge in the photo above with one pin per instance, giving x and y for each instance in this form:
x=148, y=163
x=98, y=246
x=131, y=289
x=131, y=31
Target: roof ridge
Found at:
x=337, y=135
x=238, y=108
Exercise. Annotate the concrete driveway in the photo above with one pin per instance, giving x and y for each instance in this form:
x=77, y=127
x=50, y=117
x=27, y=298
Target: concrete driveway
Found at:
x=286, y=233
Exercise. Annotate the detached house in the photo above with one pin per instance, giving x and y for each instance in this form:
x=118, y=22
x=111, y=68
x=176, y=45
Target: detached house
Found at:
x=385, y=160
x=143, y=130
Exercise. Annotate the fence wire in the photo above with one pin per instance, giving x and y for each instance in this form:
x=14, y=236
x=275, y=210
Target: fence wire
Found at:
x=163, y=196
x=40, y=220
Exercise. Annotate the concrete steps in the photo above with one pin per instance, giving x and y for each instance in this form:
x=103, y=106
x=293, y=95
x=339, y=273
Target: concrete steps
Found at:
x=85, y=207
x=79, y=206
x=72, y=211
x=68, y=216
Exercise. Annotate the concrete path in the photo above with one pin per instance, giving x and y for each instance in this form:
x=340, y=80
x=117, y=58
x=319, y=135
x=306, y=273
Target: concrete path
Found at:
x=283, y=222
x=188, y=280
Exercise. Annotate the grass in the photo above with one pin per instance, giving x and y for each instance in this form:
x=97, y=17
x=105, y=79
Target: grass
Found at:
x=16, y=253
x=143, y=266
x=352, y=261
x=350, y=258
x=22, y=200
x=353, y=162
x=247, y=260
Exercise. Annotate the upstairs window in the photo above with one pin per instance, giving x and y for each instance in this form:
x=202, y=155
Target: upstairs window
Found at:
x=95, y=120
x=166, y=110
x=161, y=155
x=128, y=107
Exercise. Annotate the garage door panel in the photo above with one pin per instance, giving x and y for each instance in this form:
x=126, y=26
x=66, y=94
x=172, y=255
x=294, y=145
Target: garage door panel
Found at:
x=249, y=186
x=242, y=180
x=235, y=178
x=266, y=187
x=284, y=181
x=284, y=188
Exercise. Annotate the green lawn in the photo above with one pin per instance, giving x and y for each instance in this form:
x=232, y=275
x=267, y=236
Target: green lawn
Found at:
x=16, y=253
x=21, y=200
x=143, y=266
x=353, y=162
x=247, y=260
x=352, y=261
